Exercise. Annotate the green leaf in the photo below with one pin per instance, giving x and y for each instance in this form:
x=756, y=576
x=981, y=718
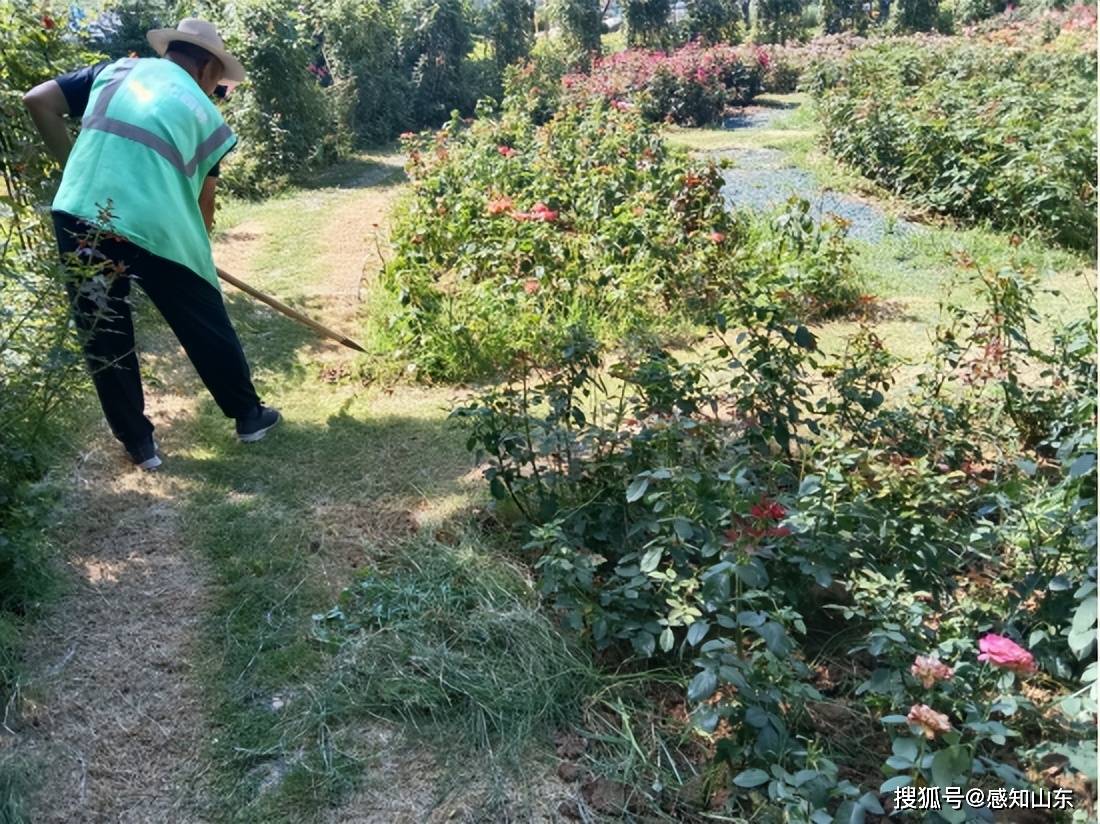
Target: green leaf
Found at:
x=751, y=778
x=951, y=815
x=683, y=528
x=637, y=489
x=703, y=685
x=667, y=639
x=651, y=558
x=905, y=748
x=869, y=802
x=951, y=766
x=644, y=643
x=1082, y=465
x=802, y=776
x=497, y=489
x=751, y=619
x=775, y=637
x=1085, y=616
x=891, y=784
x=697, y=632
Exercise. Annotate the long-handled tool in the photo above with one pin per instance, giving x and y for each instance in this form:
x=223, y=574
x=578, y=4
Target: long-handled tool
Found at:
x=290, y=313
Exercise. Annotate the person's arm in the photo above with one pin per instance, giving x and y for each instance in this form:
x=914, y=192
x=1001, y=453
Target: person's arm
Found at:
x=206, y=201
x=48, y=108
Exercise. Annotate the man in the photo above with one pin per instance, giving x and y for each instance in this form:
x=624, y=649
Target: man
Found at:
x=137, y=201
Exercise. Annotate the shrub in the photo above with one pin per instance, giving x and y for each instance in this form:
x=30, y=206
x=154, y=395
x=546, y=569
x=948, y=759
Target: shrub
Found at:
x=534, y=88
x=370, y=93
x=692, y=85
x=786, y=64
x=280, y=113
x=980, y=132
x=40, y=366
x=589, y=220
x=729, y=527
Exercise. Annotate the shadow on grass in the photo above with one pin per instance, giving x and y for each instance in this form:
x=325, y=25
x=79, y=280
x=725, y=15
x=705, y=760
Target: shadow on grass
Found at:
x=442, y=640
x=771, y=103
x=284, y=524
x=362, y=171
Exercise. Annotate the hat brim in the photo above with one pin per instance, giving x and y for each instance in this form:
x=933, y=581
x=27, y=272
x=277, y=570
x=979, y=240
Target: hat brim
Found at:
x=232, y=70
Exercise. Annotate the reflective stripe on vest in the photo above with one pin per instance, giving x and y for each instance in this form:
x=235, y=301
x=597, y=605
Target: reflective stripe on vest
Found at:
x=138, y=167
x=98, y=119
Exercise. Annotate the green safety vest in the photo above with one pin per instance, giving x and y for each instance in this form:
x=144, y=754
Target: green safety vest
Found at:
x=148, y=139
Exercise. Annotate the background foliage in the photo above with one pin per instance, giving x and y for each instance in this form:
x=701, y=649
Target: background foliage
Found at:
x=1004, y=135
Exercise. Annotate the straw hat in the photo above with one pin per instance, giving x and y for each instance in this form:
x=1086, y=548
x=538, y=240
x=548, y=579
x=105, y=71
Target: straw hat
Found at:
x=203, y=34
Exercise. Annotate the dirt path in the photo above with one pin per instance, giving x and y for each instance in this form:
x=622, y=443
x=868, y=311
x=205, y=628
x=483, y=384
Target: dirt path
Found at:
x=112, y=712
x=112, y=709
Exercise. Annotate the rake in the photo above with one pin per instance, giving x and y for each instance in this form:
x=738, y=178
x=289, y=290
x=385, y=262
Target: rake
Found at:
x=294, y=314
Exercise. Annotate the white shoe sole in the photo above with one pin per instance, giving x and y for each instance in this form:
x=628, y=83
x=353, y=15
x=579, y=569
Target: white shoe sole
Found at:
x=252, y=437
x=152, y=463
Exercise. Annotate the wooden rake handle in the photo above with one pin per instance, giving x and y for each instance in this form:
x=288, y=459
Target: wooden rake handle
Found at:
x=294, y=314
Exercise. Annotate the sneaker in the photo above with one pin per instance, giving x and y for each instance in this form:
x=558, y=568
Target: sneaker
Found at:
x=144, y=454
x=255, y=426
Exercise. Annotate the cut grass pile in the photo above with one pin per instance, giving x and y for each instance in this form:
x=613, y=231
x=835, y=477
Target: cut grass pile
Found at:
x=451, y=640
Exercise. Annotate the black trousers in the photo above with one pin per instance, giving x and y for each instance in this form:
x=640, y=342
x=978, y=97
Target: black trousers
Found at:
x=192, y=307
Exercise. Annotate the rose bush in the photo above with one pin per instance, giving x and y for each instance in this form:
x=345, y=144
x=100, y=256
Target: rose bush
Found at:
x=978, y=131
x=515, y=232
x=693, y=84
x=721, y=525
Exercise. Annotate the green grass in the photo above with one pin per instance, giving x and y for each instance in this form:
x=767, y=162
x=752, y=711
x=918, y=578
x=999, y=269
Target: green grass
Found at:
x=354, y=477
x=909, y=272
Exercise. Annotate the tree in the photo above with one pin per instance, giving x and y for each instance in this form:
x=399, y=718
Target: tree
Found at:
x=646, y=21
x=844, y=15
x=120, y=29
x=580, y=23
x=778, y=20
x=511, y=29
x=433, y=40
x=918, y=15
x=370, y=93
x=713, y=21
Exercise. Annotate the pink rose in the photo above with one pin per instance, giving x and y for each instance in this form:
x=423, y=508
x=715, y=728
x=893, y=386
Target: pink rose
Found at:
x=928, y=669
x=1006, y=653
x=930, y=722
x=506, y=151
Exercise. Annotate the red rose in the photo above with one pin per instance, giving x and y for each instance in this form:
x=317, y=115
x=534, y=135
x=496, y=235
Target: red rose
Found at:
x=506, y=151
x=47, y=22
x=768, y=510
x=540, y=211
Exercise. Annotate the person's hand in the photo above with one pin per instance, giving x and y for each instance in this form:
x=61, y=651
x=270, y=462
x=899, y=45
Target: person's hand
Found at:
x=48, y=108
x=206, y=202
